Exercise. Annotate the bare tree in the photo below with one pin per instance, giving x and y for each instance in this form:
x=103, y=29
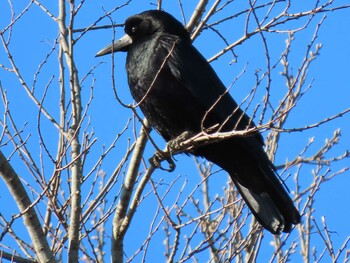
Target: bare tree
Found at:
x=77, y=184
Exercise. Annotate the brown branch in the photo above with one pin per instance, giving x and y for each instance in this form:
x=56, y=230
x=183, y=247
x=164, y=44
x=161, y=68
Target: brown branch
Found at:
x=15, y=258
x=30, y=218
x=66, y=43
x=122, y=217
x=196, y=15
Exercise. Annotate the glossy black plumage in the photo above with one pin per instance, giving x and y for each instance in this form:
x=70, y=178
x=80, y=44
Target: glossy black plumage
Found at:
x=178, y=91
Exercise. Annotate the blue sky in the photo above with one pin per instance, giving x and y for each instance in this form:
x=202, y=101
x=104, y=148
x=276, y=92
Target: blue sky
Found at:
x=33, y=37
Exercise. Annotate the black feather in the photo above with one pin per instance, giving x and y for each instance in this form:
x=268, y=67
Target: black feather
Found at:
x=178, y=91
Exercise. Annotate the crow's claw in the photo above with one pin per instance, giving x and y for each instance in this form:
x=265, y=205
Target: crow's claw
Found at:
x=175, y=144
x=158, y=157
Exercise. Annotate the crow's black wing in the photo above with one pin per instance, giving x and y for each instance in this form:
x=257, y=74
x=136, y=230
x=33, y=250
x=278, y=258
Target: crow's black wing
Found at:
x=244, y=158
x=193, y=71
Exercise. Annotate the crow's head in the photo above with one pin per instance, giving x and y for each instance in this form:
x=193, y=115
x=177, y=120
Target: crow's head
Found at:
x=144, y=25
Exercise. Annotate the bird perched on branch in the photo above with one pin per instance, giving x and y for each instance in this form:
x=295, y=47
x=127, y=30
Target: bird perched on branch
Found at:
x=178, y=91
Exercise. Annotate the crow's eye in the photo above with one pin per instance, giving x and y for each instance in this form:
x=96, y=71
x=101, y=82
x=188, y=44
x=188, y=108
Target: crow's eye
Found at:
x=134, y=29
x=137, y=27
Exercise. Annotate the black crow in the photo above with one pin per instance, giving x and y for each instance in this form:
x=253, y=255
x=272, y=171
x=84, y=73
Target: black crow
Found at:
x=178, y=91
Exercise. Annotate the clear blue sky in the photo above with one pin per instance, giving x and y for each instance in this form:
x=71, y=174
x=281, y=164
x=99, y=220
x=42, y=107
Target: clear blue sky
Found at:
x=33, y=38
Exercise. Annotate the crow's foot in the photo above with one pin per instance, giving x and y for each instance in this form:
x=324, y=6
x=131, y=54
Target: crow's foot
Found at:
x=174, y=145
x=158, y=157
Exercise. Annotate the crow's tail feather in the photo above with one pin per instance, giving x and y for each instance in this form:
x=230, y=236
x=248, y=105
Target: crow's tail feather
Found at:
x=275, y=215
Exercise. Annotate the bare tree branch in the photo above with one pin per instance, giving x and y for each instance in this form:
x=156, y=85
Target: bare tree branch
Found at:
x=30, y=218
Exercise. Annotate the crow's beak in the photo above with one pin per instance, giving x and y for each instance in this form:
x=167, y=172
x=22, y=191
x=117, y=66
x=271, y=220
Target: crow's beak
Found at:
x=121, y=44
